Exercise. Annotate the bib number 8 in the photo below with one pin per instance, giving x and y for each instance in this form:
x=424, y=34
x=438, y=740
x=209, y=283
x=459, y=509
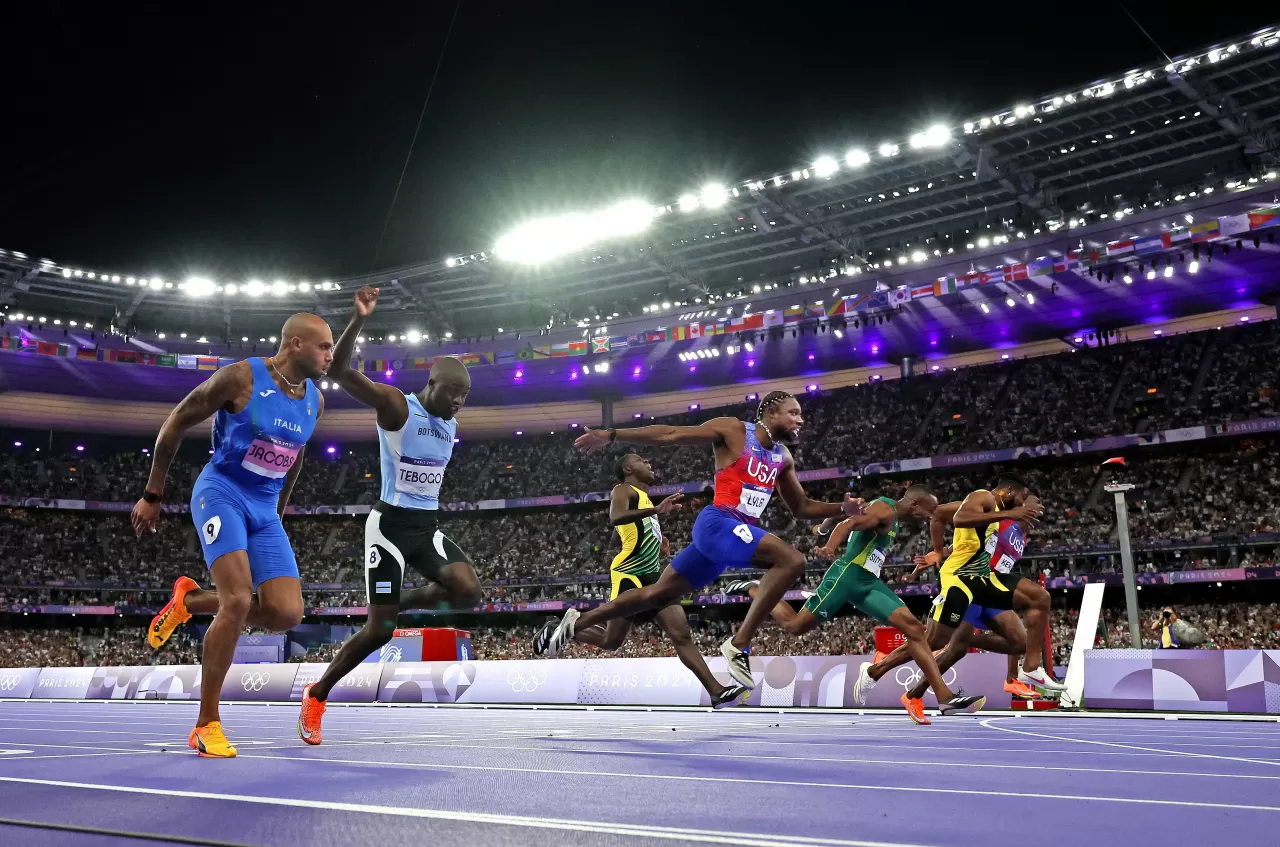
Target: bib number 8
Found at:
x=743, y=532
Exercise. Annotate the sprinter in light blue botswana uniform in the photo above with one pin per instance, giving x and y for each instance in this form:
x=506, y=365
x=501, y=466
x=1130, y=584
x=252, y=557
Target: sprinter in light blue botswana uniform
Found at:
x=264, y=411
x=415, y=442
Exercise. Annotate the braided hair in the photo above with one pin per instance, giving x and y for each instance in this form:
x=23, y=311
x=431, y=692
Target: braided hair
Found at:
x=770, y=400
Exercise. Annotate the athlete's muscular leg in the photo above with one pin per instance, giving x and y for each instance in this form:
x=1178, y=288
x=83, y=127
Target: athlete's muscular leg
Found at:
x=235, y=595
x=1008, y=635
x=204, y=601
x=796, y=623
x=785, y=565
x=611, y=636
x=456, y=584
x=676, y=624
x=937, y=636
x=1032, y=597
x=670, y=587
x=959, y=644
x=376, y=632
x=903, y=621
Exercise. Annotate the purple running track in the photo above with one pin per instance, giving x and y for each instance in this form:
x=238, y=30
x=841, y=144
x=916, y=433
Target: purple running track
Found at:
x=554, y=777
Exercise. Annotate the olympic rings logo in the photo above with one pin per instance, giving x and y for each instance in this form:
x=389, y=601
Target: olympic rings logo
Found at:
x=9, y=682
x=909, y=677
x=526, y=682
x=254, y=680
x=253, y=639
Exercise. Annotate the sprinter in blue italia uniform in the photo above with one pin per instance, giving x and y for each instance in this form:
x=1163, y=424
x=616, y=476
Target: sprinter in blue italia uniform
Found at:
x=264, y=412
x=415, y=441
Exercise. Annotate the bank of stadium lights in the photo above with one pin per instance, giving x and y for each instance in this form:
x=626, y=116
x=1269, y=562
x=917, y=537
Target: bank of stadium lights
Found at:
x=544, y=239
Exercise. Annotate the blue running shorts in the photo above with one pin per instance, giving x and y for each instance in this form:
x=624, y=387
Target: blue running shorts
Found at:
x=720, y=541
x=230, y=519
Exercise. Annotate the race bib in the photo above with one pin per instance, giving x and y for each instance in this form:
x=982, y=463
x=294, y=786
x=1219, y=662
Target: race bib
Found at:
x=420, y=477
x=1005, y=563
x=992, y=540
x=753, y=502
x=874, y=562
x=653, y=525
x=270, y=457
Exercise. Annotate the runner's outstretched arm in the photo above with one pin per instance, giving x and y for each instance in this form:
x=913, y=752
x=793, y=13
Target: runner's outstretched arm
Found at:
x=392, y=409
x=714, y=431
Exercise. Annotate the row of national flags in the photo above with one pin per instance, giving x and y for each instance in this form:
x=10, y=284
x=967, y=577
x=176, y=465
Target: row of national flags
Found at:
x=1228, y=226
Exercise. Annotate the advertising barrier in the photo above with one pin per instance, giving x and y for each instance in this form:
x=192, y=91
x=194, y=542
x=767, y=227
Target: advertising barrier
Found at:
x=1183, y=680
x=813, y=681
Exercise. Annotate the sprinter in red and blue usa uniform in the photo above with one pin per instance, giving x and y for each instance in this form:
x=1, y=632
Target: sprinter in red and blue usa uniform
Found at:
x=751, y=460
x=264, y=412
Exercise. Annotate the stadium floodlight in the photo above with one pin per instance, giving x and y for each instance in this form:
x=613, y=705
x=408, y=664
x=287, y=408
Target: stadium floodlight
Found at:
x=413, y=336
x=857, y=158
x=254, y=288
x=279, y=288
x=391, y=337
x=1194, y=266
x=713, y=195
x=935, y=136
x=825, y=166
x=1010, y=302
x=549, y=238
x=157, y=283
x=198, y=287
x=687, y=202
x=233, y=289
x=1128, y=280
x=918, y=256
x=986, y=310
x=888, y=150
x=1031, y=299
x=1168, y=271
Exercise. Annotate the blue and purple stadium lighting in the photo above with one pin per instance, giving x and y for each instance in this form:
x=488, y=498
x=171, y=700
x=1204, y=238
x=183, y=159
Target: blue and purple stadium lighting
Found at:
x=751, y=363
x=638, y=415
x=79, y=448
x=389, y=373
x=752, y=398
x=519, y=374
x=519, y=432
x=693, y=407
x=17, y=444
x=573, y=374
x=636, y=371
x=573, y=426
x=810, y=357
x=331, y=449
x=812, y=388
x=693, y=368
x=875, y=377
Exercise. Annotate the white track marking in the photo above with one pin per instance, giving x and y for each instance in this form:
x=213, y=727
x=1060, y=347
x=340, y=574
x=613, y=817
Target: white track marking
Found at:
x=780, y=782
x=601, y=827
x=829, y=760
x=989, y=723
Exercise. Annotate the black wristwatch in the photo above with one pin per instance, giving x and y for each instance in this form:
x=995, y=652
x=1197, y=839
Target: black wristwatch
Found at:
x=151, y=498
x=613, y=435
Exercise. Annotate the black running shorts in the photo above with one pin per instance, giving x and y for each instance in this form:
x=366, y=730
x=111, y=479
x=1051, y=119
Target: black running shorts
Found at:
x=396, y=538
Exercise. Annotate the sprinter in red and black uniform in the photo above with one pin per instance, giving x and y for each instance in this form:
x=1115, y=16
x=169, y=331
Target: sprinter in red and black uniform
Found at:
x=751, y=459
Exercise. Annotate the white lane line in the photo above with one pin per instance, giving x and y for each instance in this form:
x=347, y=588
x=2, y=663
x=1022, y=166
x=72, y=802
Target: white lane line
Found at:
x=829, y=760
x=989, y=723
x=781, y=782
x=81, y=755
x=600, y=827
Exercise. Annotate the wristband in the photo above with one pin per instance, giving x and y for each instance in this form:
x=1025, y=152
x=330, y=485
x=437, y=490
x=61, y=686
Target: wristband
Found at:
x=151, y=498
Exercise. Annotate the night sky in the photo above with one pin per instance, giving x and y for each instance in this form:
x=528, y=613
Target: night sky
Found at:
x=237, y=142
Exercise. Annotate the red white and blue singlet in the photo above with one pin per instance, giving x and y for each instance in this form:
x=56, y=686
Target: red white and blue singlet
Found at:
x=1010, y=541
x=725, y=535
x=743, y=489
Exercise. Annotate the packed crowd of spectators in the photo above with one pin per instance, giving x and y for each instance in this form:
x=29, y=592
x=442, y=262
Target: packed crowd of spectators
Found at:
x=1225, y=626
x=1160, y=383
x=531, y=555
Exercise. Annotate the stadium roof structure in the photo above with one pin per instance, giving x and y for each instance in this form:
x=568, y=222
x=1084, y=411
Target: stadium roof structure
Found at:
x=1063, y=164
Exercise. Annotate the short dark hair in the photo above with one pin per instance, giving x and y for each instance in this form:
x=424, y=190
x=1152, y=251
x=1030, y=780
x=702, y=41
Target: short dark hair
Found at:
x=770, y=400
x=620, y=466
x=918, y=490
x=1011, y=481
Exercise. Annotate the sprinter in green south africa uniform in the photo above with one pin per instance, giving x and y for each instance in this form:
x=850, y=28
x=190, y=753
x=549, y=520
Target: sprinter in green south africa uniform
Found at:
x=854, y=580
